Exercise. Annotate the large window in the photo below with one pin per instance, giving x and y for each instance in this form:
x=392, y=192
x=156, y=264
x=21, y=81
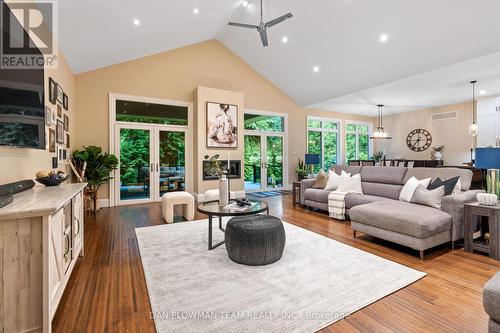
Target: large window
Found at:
x=323, y=139
x=357, y=141
x=151, y=113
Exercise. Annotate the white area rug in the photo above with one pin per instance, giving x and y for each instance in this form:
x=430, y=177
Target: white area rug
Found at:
x=317, y=282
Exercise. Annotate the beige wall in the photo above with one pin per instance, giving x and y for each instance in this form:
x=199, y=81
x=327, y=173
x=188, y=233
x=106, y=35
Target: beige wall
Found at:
x=23, y=163
x=453, y=134
x=175, y=75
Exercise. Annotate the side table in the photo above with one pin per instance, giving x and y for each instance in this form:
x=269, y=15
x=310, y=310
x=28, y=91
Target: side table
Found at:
x=473, y=212
x=296, y=193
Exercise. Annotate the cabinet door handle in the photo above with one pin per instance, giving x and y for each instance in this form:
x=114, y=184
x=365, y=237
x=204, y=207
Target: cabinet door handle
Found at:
x=151, y=169
x=66, y=240
x=156, y=167
x=78, y=224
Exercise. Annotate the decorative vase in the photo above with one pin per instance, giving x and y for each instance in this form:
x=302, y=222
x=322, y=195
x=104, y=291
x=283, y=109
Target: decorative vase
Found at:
x=492, y=181
x=438, y=156
x=223, y=191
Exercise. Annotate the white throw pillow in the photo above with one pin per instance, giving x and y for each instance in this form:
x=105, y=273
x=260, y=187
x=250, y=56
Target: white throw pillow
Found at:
x=458, y=187
x=350, y=184
x=410, y=187
x=334, y=180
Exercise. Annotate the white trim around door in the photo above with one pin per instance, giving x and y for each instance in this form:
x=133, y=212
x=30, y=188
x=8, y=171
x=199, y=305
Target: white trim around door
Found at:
x=154, y=129
x=264, y=135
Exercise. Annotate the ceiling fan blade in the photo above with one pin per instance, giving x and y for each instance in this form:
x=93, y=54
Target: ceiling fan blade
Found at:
x=243, y=25
x=278, y=20
x=263, y=37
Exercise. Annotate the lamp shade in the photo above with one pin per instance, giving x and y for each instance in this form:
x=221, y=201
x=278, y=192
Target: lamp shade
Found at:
x=312, y=159
x=487, y=158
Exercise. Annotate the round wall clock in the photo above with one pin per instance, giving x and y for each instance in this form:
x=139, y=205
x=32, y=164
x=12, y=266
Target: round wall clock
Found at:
x=419, y=140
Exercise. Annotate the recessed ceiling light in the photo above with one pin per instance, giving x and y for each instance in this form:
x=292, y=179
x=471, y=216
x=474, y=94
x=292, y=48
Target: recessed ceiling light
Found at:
x=316, y=69
x=482, y=92
x=384, y=38
x=137, y=22
x=284, y=39
x=244, y=3
x=196, y=11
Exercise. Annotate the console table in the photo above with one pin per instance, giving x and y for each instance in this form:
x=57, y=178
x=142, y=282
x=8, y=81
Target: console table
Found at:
x=41, y=237
x=472, y=213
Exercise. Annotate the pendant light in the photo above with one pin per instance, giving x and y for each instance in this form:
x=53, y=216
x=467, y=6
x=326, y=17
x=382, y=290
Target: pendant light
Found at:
x=473, y=126
x=380, y=133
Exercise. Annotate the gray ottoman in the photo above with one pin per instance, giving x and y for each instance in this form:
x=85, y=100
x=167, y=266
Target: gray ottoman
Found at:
x=255, y=240
x=491, y=302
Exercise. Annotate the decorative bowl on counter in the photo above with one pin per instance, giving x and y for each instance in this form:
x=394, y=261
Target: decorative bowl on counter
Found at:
x=487, y=199
x=51, y=181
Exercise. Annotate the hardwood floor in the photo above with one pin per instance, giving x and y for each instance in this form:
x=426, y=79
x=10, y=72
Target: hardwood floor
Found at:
x=107, y=291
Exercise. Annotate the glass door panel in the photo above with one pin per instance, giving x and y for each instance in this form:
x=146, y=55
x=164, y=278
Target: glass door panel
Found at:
x=135, y=164
x=330, y=143
x=274, y=161
x=252, y=162
x=172, y=161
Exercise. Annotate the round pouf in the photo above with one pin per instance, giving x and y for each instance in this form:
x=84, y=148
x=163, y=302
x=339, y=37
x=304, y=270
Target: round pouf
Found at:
x=255, y=240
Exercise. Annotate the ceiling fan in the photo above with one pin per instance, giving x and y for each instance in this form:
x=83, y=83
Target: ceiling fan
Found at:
x=262, y=27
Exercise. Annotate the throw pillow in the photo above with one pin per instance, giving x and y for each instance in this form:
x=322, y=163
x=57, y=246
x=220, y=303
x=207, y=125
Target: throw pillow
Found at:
x=350, y=184
x=410, y=187
x=431, y=198
x=334, y=180
x=458, y=188
x=321, y=179
x=449, y=184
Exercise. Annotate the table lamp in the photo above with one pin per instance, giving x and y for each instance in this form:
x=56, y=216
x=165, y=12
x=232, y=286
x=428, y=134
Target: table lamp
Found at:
x=312, y=160
x=489, y=159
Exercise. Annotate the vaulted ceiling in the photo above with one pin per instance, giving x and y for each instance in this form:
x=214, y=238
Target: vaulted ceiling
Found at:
x=433, y=49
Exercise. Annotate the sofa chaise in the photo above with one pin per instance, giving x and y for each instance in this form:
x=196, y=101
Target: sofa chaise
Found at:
x=491, y=302
x=379, y=213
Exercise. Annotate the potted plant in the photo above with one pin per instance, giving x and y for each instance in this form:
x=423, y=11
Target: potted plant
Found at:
x=301, y=170
x=94, y=165
x=378, y=157
x=215, y=168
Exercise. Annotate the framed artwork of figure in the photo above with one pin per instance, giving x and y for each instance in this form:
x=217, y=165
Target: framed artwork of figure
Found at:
x=222, y=125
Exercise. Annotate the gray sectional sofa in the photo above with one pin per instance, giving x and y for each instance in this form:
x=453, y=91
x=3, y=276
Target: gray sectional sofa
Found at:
x=491, y=302
x=378, y=211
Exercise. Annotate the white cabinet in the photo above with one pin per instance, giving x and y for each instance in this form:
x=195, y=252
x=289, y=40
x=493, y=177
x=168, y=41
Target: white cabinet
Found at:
x=488, y=122
x=77, y=203
x=41, y=237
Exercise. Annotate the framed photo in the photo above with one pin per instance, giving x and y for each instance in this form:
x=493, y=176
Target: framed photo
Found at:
x=60, y=93
x=66, y=123
x=48, y=116
x=60, y=154
x=53, y=116
x=60, y=132
x=59, y=111
x=67, y=140
x=222, y=125
x=52, y=140
x=65, y=102
x=64, y=154
x=52, y=91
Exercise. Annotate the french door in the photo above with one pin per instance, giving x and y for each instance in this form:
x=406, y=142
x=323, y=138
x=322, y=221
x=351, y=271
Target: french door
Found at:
x=152, y=160
x=265, y=167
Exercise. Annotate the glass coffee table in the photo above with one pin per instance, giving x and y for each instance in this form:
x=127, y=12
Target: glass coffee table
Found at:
x=212, y=208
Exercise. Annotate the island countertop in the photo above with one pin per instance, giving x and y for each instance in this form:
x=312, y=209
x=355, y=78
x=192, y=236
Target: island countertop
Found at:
x=40, y=200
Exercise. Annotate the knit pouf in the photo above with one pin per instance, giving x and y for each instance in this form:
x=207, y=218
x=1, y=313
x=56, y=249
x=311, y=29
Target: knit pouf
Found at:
x=255, y=240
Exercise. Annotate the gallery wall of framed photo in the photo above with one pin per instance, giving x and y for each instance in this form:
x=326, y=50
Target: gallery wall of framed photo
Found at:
x=57, y=120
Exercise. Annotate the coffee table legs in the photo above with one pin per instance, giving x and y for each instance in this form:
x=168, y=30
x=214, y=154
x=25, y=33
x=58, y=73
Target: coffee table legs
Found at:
x=210, y=246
